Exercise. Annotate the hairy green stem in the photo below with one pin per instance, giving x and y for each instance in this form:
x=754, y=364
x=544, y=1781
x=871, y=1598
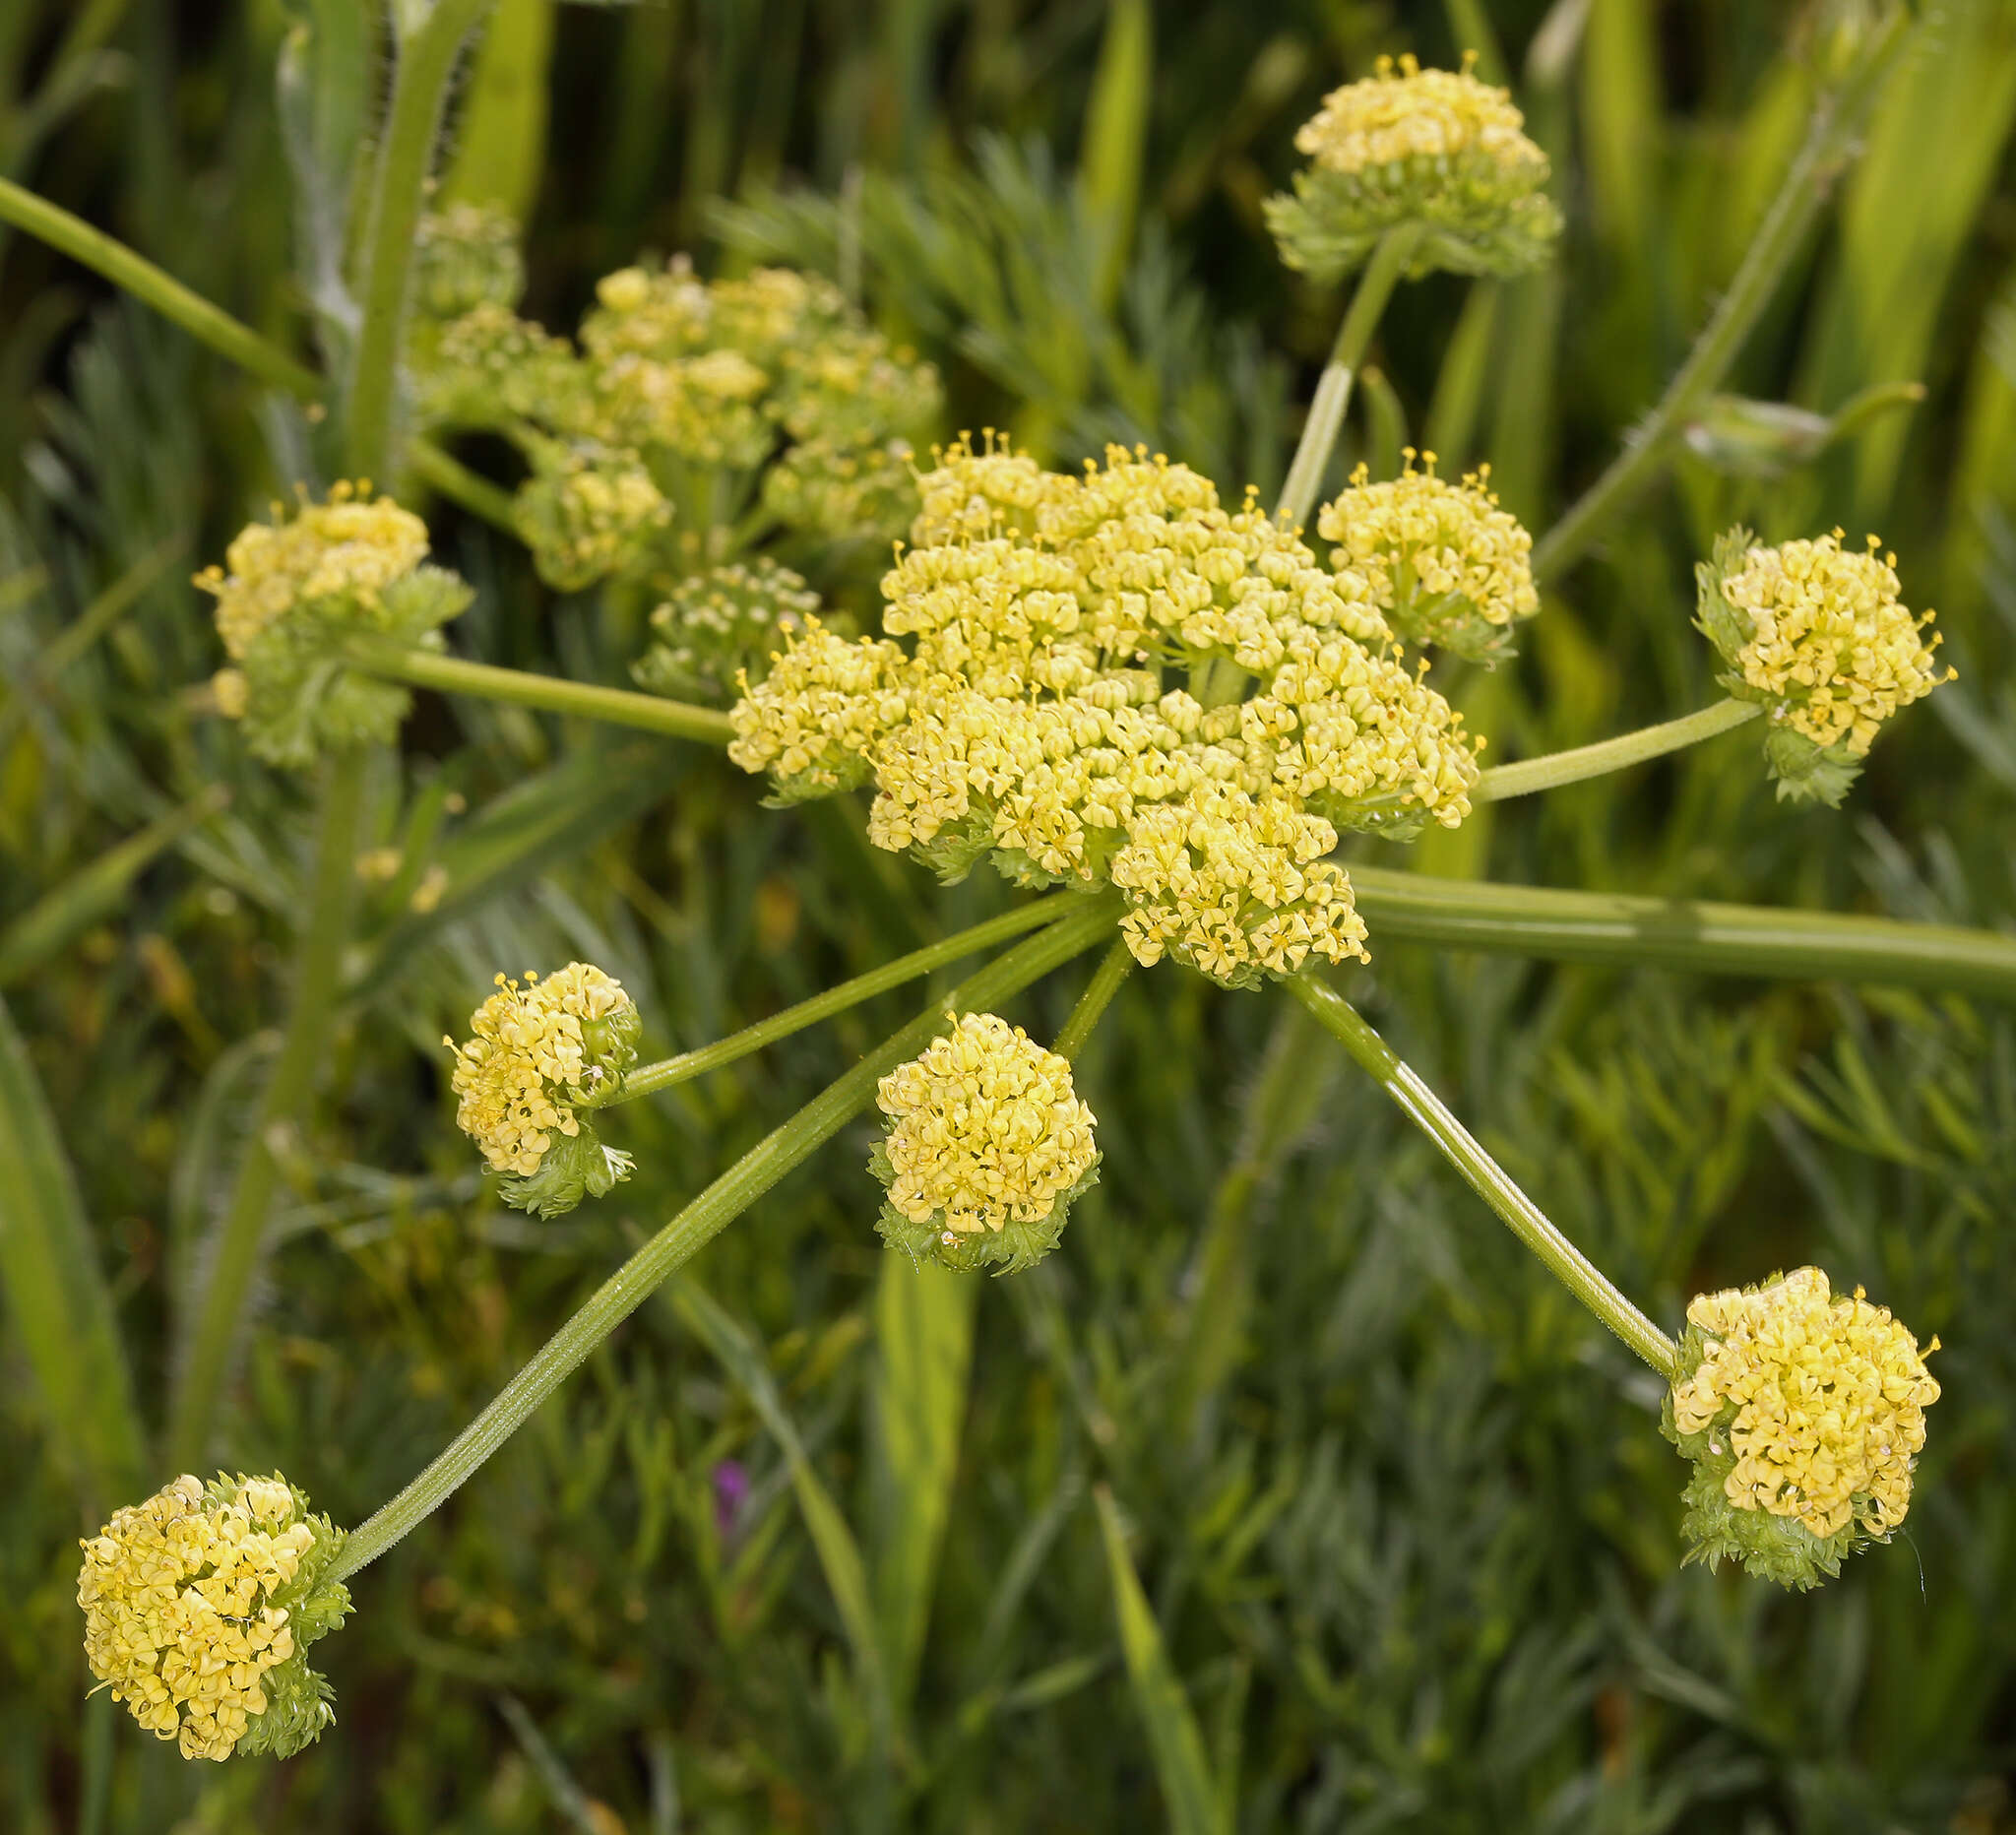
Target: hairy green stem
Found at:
x=1482, y=1173
x=219, y=1305
x=1830, y=143
x=210, y=325
x=649, y=1079
x=1333, y=391
x=427, y=55
x=1114, y=967
x=702, y=1220
x=619, y=707
x=1682, y=933
x=1554, y=769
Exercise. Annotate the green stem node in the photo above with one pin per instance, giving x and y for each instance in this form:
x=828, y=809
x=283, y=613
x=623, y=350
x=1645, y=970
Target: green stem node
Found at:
x=1484, y=1175
x=702, y=1220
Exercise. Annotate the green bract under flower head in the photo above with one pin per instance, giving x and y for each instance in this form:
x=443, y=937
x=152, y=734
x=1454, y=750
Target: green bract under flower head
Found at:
x=199, y=1606
x=715, y=627
x=1435, y=149
x=289, y=595
x=1804, y=1413
x=1442, y=562
x=1818, y=635
x=987, y=1146
x=540, y=1052
x=1113, y=677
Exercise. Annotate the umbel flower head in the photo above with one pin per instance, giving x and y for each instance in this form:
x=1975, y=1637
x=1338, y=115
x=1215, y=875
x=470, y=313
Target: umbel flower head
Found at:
x=467, y=256
x=199, y=1607
x=1804, y=1414
x=1818, y=635
x=1115, y=677
x=1433, y=148
x=987, y=1146
x=290, y=594
x=587, y=513
x=542, y=1051
x=1442, y=562
x=717, y=626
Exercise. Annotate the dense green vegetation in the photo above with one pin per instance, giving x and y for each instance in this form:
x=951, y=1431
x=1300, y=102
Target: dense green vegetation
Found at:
x=1290, y=1493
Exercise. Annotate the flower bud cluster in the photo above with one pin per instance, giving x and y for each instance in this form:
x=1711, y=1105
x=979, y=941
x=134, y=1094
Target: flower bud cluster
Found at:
x=1442, y=562
x=465, y=257
x=292, y=590
x=1435, y=149
x=1031, y=718
x=198, y=1606
x=988, y=1147
x=540, y=1052
x=1804, y=1413
x=675, y=379
x=715, y=627
x=1820, y=636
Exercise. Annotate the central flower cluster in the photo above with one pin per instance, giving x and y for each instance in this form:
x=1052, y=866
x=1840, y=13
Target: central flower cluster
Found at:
x=183, y=1605
x=1032, y=718
x=538, y=1050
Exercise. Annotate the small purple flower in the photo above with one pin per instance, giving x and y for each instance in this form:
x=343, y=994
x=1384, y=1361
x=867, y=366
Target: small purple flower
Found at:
x=731, y=1494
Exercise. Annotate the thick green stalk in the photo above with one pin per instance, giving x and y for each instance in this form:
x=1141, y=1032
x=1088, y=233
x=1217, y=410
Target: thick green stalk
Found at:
x=649, y=1079
x=225, y=1278
x=457, y=482
x=619, y=707
x=1114, y=967
x=1333, y=391
x=1830, y=143
x=706, y=1217
x=1607, y=755
x=1484, y=1175
x=1681, y=933
x=74, y=237
x=427, y=54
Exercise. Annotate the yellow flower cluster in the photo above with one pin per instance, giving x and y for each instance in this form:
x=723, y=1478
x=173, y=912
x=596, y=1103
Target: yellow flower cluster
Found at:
x=1431, y=148
x=1443, y=563
x=1031, y=718
x=589, y=516
x=530, y=1061
x=350, y=548
x=986, y=1130
x=712, y=626
x=1827, y=640
x=177, y=1596
x=1823, y=1400
x=1405, y=113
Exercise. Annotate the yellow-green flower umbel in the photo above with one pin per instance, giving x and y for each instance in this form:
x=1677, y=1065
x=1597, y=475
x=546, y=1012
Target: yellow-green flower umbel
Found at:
x=199, y=1605
x=1818, y=635
x=1115, y=677
x=715, y=627
x=1431, y=148
x=987, y=1146
x=290, y=594
x=1804, y=1414
x=541, y=1053
x=1444, y=564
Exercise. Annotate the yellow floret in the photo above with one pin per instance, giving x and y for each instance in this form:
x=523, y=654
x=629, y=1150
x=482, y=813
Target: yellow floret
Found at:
x=529, y=1065
x=1829, y=640
x=986, y=1129
x=1408, y=114
x=351, y=546
x=1822, y=1399
x=177, y=1598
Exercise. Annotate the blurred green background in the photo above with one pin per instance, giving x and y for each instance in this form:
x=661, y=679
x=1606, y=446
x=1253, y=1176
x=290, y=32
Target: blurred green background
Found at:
x=1381, y=1522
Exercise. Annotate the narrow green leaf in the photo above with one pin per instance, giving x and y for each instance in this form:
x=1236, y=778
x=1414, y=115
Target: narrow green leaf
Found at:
x=923, y=1338
x=1115, y=139
x=562, y=1789
x=57, y=1291
x=503, y=124
x=1173, y=1733
x=1459, y=383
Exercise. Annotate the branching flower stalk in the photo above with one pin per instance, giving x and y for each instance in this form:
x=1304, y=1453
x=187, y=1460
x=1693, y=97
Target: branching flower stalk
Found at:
x=1092, y=919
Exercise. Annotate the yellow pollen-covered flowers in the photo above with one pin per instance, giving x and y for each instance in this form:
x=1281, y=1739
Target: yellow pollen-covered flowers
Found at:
x=1444, y=564
x=1804, y=1413
x=289, y=595
x=542, y=1051
x=1818, y=634
x=1113, y=676
x=1433, y=148
x=198, y=1606
x=986, y=1148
